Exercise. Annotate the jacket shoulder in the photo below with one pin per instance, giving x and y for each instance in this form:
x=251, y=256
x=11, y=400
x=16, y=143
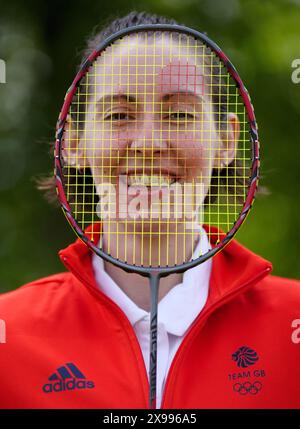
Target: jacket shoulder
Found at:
x=35, y=296
x=31, y=287
x=283, y=284
x=278, y=292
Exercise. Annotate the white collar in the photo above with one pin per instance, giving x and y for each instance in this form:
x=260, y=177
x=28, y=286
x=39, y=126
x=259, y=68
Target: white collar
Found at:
x=178, y=309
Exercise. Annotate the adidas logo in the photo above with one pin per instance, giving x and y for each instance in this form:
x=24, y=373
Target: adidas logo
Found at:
x=67, y=377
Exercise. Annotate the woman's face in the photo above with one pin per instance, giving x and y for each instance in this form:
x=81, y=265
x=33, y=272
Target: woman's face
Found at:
x=150, y=131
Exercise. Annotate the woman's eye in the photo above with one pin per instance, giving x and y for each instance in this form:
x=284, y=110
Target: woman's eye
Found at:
x=182, y=116
x=118, y=116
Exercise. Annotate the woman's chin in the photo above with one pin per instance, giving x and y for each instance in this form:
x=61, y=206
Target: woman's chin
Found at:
x=153, y=227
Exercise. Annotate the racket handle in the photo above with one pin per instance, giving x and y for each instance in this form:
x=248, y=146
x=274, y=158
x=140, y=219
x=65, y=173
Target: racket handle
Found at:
x=154, y=286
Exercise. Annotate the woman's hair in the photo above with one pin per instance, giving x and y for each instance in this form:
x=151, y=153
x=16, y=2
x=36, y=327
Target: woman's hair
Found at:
x=229, y=178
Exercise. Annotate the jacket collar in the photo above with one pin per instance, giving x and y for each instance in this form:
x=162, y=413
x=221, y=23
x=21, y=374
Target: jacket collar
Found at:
x=233, y=267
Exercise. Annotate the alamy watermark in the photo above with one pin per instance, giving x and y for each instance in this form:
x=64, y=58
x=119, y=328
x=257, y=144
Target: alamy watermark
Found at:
x=142, y=202
x=295, y=76
x=296, y=333
x=2, y=331
x=2, y=71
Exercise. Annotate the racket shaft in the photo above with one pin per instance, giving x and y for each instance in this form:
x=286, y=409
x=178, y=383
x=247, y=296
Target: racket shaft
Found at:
x=154, y=285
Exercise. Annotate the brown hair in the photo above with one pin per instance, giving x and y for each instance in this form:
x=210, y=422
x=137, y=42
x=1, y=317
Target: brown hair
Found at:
x=228, y=178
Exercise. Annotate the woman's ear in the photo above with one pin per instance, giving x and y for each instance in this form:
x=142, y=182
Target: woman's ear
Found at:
x=72, y=151
x=229, y=142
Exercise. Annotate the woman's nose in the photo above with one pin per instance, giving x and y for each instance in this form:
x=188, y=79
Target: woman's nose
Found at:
x=149, y=137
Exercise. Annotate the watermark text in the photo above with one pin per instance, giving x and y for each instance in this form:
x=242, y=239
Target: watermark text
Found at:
x=2, y=71
x=2, y=332
x=176, y=201
x=295, y=76
x=296, y=333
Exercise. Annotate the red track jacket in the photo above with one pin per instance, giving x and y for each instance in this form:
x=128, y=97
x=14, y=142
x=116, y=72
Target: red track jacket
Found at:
x=69, y=346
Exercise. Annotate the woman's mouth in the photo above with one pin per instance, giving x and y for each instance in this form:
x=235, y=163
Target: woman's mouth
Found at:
x=153, y=180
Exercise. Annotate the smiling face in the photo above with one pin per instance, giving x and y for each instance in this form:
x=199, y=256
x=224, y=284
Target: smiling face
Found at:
x=150, y=133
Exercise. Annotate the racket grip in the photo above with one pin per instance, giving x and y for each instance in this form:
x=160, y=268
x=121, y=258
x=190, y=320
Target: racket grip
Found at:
x=154, y=286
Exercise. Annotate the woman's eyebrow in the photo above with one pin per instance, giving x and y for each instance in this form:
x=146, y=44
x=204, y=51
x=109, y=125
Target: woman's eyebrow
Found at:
x=166, y=97
x=110, y=98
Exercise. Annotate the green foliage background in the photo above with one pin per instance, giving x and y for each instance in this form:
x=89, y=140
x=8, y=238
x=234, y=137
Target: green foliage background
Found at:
x=41, y=43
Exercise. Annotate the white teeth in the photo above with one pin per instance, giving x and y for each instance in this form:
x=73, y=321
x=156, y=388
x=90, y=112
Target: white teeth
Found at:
x=152, y=180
